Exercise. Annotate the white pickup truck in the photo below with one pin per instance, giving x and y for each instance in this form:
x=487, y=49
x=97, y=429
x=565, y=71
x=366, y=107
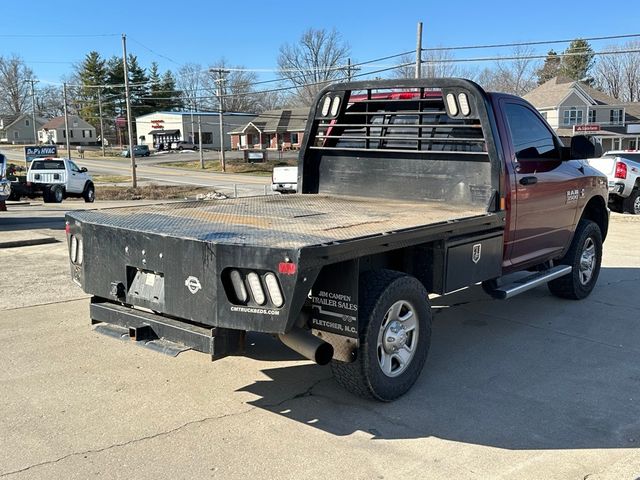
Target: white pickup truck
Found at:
x=284, y=179
x=622, y=168
x=5, y=184
x=55, y=179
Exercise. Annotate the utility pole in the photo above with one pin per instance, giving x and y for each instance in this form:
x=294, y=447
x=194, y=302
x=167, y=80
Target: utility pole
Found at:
x=101, y=124
x=33, y=107
x=348, y=69
x=134, y=181
x=419, y=51
x=200, y=140
x=220, y=89
x=66, y=119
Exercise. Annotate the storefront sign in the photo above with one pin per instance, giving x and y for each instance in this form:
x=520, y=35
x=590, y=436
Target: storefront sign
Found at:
x=586, y=128
x=39, y=152
x=157, y=124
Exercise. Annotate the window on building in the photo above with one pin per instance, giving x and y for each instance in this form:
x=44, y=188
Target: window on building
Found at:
x=615, y=116
x=592, y=116
x=84, y=134
x=90, y=133
x=16, y=134
x=295, y=138
x=531, y=138
x=26, y=122
x=573, y=116
x=64, y=134
x=544, y=115
x=207, y=138
x=71, y=133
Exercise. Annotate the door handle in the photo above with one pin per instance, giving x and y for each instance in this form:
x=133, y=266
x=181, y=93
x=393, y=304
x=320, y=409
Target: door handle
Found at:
x=528, y=180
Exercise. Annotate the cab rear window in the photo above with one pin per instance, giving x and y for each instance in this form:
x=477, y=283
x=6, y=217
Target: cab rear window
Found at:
x=47, y=165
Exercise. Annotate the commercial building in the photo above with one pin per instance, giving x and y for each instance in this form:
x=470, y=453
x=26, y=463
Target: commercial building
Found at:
x=160, y=129
x=575, y=108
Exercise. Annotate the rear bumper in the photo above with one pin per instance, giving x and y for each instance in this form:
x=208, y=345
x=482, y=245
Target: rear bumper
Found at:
x=143, y=326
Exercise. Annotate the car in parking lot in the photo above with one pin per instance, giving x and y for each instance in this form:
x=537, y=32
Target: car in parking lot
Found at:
x=622, y=168
x=138, y=151
x=184, y=145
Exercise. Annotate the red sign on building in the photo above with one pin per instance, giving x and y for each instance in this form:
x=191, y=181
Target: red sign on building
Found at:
x=586, y=128
x=157, y=124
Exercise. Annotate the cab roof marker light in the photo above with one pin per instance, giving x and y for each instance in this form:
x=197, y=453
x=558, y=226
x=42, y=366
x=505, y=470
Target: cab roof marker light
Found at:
x=463, y=100
x=238, y=286
x=274, y=289
x=256, y=288
x=325, y=106
x=452, y=105
x=335, y=106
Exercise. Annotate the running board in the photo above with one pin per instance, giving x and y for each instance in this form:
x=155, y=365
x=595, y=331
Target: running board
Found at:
x=532, y=281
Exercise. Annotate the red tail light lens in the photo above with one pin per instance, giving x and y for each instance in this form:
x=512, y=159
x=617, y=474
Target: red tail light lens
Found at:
x=621, y=170
x=287, y=268
x=67, y=228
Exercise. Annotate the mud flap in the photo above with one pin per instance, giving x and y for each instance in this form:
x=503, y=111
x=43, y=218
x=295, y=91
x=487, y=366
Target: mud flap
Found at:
x=334, y=312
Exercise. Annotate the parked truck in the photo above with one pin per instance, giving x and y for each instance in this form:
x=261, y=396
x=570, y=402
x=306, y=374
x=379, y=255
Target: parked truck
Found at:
x=622, y=168
x=54, y=179
x=406, y=188
x=5, y=183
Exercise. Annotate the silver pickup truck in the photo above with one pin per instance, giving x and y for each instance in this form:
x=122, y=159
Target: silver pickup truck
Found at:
x=622, y=168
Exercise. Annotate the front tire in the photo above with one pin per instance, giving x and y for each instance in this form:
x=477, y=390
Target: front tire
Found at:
x=89, y=194
x=631, y=204
x=585, y=256
x=395, y=335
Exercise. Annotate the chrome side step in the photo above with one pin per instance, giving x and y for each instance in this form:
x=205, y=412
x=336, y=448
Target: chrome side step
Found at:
x=531, y=281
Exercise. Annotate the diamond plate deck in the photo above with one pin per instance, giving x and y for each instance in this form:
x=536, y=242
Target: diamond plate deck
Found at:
x=286, y=221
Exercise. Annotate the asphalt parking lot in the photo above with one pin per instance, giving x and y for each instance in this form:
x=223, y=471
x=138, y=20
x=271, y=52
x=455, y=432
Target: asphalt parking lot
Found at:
x=533, y=387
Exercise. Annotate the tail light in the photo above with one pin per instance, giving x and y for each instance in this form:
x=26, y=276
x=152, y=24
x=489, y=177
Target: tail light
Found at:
x=621, y=170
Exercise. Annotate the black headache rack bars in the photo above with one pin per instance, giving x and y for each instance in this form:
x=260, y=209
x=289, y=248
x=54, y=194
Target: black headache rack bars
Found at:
x=435, y=120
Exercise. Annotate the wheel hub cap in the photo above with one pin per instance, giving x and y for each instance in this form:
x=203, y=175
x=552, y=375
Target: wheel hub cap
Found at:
x=397, y=338
x=587, y=261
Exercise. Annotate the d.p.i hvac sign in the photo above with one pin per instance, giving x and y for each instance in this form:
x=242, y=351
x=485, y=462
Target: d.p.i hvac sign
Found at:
x=39, y=152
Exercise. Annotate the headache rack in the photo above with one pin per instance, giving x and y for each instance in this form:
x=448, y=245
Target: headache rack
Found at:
x=421, y=136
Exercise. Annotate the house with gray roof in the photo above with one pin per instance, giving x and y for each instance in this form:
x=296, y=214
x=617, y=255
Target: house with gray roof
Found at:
x=576, y=108
x=81, y=132
x=273, y=130
x=18, y=129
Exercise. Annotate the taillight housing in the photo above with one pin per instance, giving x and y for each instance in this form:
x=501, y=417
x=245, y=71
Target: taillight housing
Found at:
x=621, y=170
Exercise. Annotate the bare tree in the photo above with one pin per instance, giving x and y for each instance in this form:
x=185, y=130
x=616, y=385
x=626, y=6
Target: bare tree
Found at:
x=237, y=86
x=319, y=58
x=49, y=102
x=189, y=81
x=14, y=86
x=515, y=75
x=618, y=74
x=435, y=64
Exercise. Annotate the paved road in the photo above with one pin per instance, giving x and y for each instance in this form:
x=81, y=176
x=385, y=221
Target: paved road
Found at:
x=149, y=170
x=529, y=388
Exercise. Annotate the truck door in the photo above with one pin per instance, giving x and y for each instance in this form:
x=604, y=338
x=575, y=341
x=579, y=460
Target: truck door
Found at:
x=546, y=188
x=76, y=178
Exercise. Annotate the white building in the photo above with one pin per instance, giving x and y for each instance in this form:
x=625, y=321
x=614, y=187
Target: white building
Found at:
x=81, y=132
x=163, y=128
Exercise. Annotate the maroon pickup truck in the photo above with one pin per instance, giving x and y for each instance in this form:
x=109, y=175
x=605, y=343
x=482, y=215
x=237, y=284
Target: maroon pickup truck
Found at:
x=406, y=188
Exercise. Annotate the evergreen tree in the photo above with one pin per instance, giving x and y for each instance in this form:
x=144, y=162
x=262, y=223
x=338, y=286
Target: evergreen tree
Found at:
x=550, y=68
x=92, y=75
x=173, y=97
x=578, y=60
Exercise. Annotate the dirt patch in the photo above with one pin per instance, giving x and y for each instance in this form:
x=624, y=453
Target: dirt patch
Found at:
x=150, y=192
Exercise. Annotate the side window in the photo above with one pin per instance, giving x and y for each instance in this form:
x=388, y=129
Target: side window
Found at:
x=73, y=167
x=531, y=138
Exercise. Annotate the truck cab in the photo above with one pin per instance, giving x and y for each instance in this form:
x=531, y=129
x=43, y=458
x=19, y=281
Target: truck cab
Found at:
x=55, y=179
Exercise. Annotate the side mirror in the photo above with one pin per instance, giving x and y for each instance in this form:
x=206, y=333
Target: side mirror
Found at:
x=581, y=148
x=83, y=169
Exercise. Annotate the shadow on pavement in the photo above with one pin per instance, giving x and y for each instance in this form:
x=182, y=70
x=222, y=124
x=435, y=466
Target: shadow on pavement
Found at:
x=31, y=223
x=533, y=372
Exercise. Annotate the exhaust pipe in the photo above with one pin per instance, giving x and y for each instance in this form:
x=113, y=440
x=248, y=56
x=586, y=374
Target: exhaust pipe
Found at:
x=308, y=345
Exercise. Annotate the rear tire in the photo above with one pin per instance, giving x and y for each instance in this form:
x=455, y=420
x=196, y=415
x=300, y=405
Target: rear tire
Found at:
x=395, y=334
x=631, y=204
x=585, y=256
x=56, y=194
